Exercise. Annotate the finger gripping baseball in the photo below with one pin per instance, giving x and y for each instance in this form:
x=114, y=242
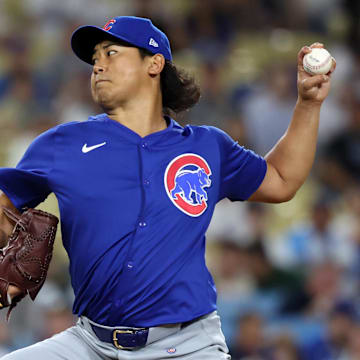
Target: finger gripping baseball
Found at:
x=24, y=262
x=312, y=82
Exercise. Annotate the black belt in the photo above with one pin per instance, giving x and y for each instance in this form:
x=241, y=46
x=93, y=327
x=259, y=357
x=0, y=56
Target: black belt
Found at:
x=124, y=339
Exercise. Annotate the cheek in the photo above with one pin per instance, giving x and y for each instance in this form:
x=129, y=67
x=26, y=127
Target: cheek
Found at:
x=92, y=82
x=92, y=87
x=129, y=74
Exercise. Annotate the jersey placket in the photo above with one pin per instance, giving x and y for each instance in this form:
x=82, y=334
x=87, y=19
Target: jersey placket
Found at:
x=142, y=223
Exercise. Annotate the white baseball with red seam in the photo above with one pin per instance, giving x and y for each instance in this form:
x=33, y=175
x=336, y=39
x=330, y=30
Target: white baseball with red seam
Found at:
x=317, y=62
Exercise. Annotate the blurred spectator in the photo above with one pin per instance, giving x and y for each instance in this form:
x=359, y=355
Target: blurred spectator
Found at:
x=317, y=240
x=257, y=218
x=209, y=30
x=323, y=288
x=353, y=344
x=56, y=321
x=74, y=101
x=19, y=66
x=269, y=109
x=152, y=9
x=213, y=108
x=61, y=67
x=340, y=168
x=53, y=13
x=334, y=345
x=250, y=340
x=284, y=348
x=5, y=339
x=19, y=109
x=234, y=126
x=235, y=283
x=288, y=286
x=238, y=221
x=232, y=272
x=319, y=14
x=353, y=10
x=348, y=225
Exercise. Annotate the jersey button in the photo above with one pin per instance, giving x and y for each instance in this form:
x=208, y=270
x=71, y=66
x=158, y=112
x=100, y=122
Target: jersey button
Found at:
x=142, y=224
x=130, y=265
x=146, y=182
x=144, y=145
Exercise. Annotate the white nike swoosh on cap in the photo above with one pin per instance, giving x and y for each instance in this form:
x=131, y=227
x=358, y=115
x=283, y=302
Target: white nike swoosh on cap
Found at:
x=86, y=149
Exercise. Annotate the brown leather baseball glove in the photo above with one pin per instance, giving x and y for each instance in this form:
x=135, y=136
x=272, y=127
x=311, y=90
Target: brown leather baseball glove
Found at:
x=25, y=260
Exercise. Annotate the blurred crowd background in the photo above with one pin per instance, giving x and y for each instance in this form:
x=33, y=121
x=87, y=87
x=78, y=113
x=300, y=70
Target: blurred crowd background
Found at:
x=287, y=275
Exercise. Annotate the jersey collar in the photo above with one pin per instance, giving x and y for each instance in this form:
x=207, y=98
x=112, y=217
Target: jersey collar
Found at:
x=172, y=130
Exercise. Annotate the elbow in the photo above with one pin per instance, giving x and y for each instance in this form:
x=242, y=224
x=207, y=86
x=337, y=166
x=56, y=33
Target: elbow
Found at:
x=278, y=198
x=283, y=195
x=287, y=195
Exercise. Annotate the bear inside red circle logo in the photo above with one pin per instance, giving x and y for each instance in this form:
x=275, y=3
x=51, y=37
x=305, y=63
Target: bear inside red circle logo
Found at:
x=186, y=179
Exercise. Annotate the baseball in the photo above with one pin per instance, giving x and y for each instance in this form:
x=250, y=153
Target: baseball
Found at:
x=317, y=62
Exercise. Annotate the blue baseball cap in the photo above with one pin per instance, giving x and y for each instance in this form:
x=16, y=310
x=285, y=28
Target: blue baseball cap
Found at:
x=137, y=31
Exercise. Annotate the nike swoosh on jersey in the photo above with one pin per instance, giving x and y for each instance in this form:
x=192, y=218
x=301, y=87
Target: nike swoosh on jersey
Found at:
x=86, y=149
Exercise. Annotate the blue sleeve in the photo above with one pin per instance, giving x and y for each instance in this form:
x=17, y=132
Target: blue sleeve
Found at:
x=242, y=171
x=28, y=183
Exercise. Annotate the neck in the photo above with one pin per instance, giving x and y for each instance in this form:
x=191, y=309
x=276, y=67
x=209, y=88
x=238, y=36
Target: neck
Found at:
x=144, y=118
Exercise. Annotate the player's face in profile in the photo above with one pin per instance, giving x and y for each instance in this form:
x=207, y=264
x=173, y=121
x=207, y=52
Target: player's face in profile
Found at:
x=118, y=73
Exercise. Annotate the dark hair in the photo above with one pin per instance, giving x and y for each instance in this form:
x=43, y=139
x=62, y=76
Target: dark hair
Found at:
x=179, y=90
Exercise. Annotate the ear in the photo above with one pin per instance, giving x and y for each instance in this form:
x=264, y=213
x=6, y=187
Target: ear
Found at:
x=157, y=63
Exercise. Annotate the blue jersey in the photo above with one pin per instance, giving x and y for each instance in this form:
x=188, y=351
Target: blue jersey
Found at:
x=134, y=212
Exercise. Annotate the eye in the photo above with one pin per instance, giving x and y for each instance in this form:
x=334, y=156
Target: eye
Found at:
x=111, y=52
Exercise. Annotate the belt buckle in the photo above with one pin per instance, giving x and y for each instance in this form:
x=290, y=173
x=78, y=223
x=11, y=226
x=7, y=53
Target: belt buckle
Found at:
x=115, y=339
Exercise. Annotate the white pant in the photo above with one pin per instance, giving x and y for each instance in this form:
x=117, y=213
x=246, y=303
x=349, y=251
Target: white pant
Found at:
x=202, y=339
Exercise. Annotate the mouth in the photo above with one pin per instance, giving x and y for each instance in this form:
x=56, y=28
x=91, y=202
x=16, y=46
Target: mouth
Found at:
x=101, y=81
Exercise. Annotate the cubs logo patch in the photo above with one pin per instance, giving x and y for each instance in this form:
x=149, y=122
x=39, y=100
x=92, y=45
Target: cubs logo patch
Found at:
x=186, y=178
x=109, y=24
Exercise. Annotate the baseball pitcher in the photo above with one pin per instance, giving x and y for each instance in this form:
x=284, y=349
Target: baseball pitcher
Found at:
x=136, y=193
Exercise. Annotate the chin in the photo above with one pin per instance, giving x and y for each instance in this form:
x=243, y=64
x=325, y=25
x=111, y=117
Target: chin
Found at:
x=106, y=105
x=102, y=99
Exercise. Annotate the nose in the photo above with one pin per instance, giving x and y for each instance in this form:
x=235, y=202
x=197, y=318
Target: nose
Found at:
x=99, y=67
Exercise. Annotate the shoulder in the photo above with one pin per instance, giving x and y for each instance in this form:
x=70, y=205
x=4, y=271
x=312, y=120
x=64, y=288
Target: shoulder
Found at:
x=216, y=137
x=205, y=130
x=66, y=130
x=73, y=126
x=92, y=121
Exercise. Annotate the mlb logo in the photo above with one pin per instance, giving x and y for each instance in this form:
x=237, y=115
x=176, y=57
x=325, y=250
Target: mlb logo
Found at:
x=171, y=351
